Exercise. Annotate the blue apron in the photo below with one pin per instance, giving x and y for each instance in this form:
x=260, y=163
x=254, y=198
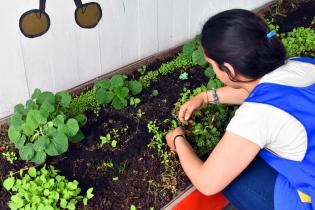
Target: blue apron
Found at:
x=295, y=184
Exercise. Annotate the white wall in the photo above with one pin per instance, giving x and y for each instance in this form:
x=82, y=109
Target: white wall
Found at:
x=68, y=55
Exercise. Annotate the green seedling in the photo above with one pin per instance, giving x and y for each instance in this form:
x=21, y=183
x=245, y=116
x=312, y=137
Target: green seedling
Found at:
x=155, y=93
x=142, y=70
x=183, y=76
x=140, y=113
x=134, y=101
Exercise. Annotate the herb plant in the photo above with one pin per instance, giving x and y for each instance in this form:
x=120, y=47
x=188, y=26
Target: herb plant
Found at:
x=110, y=138
x=83, y=102
x=117, y=91
x=10, y=156
x=41, y=128
x=299, y=41
x=44, y=189
x=155, y=93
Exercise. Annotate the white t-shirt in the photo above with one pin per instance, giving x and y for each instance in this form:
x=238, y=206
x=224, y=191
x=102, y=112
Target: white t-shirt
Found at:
x=270, y=127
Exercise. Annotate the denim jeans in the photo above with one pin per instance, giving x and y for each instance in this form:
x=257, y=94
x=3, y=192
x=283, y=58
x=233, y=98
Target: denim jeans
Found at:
x=253, y=189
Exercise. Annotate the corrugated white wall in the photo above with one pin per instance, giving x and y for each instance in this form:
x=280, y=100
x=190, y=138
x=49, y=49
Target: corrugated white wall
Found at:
x=68, y=55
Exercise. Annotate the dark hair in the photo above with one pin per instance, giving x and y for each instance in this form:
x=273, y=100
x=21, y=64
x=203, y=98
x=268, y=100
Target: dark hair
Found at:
x=239, y=37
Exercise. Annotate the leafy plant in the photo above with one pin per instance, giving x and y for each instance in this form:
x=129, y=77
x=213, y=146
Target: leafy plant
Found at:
x=83, y=102
x=299, y=41
x=116, y=91
x=110, y=138
x=193, y=50
x=157, y=141
x=133, y=207
x=44, y=189
x=134, y=101
x=183, y=76
x=271, y=25
x=150, y=77
x=41, y=128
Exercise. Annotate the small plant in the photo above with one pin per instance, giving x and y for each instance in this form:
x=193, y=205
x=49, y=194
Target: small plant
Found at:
x=110, y=138
x=142, y=70
x=183, y=76
x=115, y=178
x=155, y=93
x=133, y=207
x=140, y=113
x=41, y=128
x=193, y=50
x=271, y=25
x=158, y=143
x=134, y=101
x=44, y=189
x=105, y=165
x=10, y=156
x=117, y=91
x=299, y=41
x=80, y=104
x=150, y=77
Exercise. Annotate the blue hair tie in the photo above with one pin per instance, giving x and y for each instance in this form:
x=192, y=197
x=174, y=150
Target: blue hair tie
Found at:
x=271, y=34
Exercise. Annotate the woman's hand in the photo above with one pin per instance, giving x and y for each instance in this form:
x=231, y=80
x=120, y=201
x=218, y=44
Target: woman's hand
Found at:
x=188, y=108
x=170, y=137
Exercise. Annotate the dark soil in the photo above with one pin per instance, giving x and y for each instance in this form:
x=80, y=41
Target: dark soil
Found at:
x=291, y=14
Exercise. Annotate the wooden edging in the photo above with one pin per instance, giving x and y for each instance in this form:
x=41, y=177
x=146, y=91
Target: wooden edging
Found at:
x=181, y=196
x=128, y=69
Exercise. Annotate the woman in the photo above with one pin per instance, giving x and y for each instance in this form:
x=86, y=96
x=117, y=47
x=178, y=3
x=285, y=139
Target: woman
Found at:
x=276, y=119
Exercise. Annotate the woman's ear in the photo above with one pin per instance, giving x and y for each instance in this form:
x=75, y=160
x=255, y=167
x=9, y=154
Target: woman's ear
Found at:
x=231, y=70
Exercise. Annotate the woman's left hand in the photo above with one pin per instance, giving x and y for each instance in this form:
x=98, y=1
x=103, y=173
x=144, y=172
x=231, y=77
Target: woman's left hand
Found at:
x=170, y=137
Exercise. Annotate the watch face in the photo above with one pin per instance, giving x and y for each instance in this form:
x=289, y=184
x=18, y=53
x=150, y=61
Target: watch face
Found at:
x=34, y=23
x=88, y=15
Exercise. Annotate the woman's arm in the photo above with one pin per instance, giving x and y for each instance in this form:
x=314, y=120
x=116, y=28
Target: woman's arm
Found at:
x=227, y=95
x=229, y=158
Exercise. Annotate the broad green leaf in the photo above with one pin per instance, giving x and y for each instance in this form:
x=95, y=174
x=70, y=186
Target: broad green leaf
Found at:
x=103, y=96
x=8, y=183
x=117, y=81
x=41, y=143
x=16, y=120
x=209, y=72
x=46, y=96
x=82, y=119
x=20, y=142
x=58, y=144
x=39, y=157
x=135, y=87
x=122, y=92
x=119, y=103
x=198, y=58
x=189, y=48
x=32, y=172
x=34, y=118
x=29, y=128
x=59, y=120
x=19, y=108
x=14, y=134
x=103, y=84
x=30, y=104
x=36, y=93
x=64, y=98
x=77, y=138
x=46, y=108
x=27, y=152
x=72, y=127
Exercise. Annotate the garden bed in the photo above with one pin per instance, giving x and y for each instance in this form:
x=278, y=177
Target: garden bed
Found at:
x=125, y=167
